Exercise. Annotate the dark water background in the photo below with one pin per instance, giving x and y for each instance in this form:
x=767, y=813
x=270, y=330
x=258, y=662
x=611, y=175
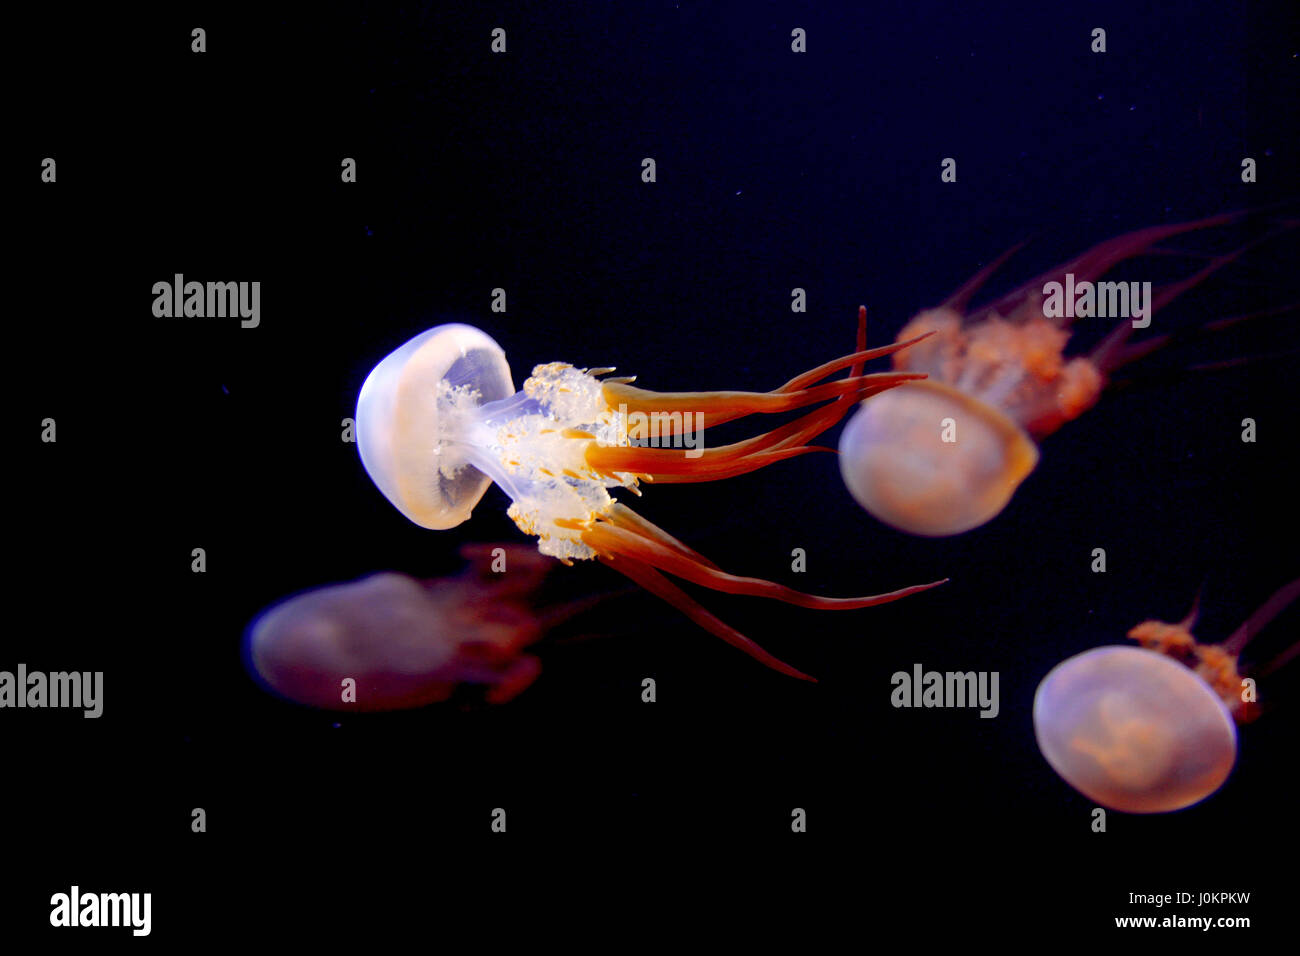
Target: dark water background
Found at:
x=775, y=170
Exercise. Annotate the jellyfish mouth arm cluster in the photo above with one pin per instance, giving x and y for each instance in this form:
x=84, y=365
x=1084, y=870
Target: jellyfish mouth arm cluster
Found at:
x=440, y=410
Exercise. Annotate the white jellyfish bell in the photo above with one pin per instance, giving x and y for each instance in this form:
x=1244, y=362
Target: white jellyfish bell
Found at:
x=415, y=420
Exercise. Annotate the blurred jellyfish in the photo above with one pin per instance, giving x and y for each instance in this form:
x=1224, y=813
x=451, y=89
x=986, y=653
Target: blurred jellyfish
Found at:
x=944, y=455
x=438, y=420
x=1153, y=728
x=407, y=643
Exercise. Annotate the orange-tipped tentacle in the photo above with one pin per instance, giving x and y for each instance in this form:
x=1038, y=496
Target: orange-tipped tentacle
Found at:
x=661, y=464
x=743, y=467
x=662, y=588
x=671, y=466
x=793, y=434
x=787, y=441
x=722, y=407
x=856, y=360
x=810, y=425
x=606, y=539
x=623, y=516
x=813, y=424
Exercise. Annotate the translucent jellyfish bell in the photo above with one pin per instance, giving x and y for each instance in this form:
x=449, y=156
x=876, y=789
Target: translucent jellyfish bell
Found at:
x=930, y=460
x=405, y=642
x=381, y=631
x=1134, y=730
x=1152, y=729
x=411, y=437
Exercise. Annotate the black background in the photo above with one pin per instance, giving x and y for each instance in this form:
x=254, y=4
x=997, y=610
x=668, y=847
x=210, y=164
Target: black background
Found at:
x=522, y=171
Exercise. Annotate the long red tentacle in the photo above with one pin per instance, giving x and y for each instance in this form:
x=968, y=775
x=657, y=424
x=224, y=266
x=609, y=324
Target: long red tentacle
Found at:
x=1271, y=608
x=1090, y=265
x=720, y=407
x=670, y=466
x=661, y=587
x=961, y=298
x=810, y=426
x=623, y=516
x=1112, y=352
x=605, y=538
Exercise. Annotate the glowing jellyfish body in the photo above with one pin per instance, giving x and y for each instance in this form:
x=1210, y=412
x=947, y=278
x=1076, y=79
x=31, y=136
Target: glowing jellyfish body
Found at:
x=945, y=455
x=438, y=420
x=933, y=486
x=1152, y=728
x=402, y=642
x=1134, y=730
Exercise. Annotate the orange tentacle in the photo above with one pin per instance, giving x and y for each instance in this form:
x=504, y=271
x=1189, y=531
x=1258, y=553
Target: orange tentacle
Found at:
x=670, y=466
x=726, y=406
x=856, y=360
x=662, y=588
x=606, y=539
x=625, y=517
x=810, y=426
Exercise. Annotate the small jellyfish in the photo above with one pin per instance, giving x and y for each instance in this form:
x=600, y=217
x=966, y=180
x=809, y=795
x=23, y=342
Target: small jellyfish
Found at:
x=944, y=455
x=439, y=419
x=407, y=643
x=1151, y=729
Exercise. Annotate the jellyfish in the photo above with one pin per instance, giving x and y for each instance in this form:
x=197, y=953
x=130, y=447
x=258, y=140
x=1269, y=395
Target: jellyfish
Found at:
x=407, y=643
x=944, y=455
x=439, y=419
x=1152, y=728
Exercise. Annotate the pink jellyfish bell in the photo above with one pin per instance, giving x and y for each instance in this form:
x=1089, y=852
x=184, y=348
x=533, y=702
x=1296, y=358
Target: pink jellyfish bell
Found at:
x=1152, y=728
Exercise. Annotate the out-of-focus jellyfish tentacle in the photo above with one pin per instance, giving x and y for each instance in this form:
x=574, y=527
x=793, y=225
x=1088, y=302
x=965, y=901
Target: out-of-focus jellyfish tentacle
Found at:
x=945, y=455
x=1113, y=352
x=1271, y=608
x=430, y=436
x=1100, y=259
x=516, y=679
x=958, y=301
x=1151, y=729
x=1136, y=351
